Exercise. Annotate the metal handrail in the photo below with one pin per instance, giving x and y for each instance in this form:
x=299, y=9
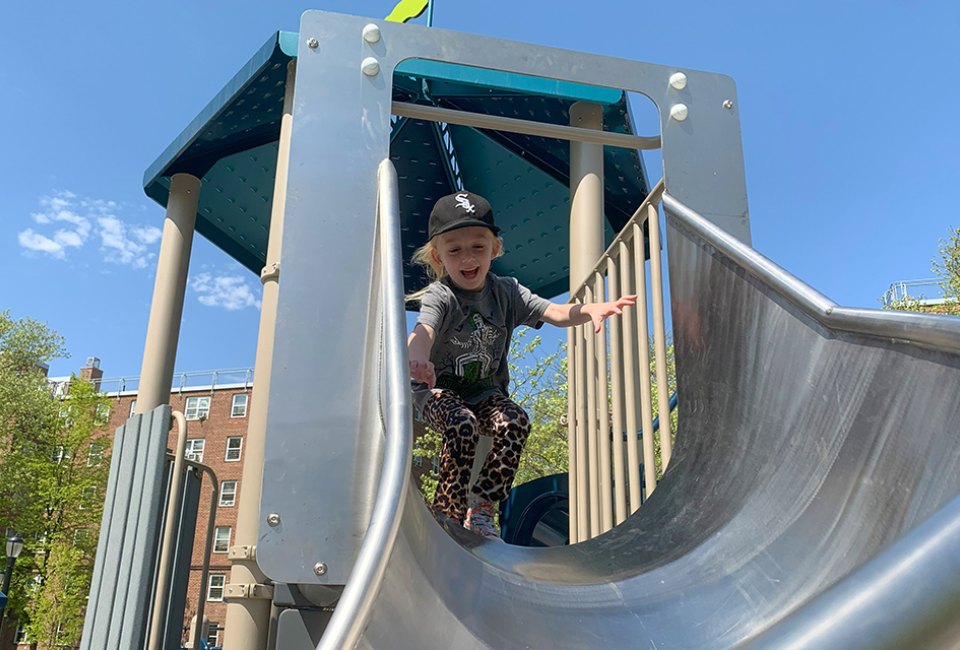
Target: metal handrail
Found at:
x=525, y=127
x=939, y=332
x=353, y=609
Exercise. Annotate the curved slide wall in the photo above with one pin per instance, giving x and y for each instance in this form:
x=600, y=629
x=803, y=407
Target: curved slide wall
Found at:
x=802, y=453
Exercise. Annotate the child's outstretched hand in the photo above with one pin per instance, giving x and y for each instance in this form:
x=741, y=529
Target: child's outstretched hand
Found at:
x=423, y=372
x=599, y=311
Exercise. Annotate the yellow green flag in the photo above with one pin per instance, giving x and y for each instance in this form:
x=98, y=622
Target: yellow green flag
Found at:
x=407, y=10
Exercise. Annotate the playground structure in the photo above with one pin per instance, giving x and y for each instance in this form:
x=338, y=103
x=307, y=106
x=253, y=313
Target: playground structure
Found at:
x=811, y=498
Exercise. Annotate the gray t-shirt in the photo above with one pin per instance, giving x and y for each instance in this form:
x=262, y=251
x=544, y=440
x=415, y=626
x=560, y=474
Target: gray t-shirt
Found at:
x=473, y=331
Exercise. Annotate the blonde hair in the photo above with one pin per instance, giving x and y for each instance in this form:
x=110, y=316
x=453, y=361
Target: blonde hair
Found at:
x=427, y=257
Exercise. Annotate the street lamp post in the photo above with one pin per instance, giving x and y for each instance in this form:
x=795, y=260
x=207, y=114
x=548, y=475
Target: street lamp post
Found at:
x=14, y=546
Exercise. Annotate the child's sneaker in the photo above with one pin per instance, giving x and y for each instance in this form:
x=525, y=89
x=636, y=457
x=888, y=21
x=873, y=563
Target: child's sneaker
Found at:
x=479, y=519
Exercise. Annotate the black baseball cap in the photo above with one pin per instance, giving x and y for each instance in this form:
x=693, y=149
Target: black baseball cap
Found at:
x=460, y=210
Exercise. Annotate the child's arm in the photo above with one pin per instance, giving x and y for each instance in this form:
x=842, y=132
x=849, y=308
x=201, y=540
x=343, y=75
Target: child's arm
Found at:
x=419, y=345
x=569, y=315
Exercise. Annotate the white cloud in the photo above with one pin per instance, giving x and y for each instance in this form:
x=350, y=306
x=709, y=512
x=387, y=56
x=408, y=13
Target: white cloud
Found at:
x=231, y=292
x=34, y=241
x=126, y=245
x=72, y=220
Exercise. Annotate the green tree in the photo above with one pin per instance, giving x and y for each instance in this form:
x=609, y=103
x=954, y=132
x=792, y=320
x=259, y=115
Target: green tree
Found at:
x=540, y=386
x=52, y=480
x=947, y=270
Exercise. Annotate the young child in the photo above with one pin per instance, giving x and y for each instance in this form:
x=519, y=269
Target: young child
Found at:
x=458, y=355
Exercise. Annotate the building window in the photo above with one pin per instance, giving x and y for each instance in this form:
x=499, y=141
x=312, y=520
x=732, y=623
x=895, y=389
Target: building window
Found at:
x=133, y=408
x=228, y=493
x=213, y=635
x=57, y=455
x=81, y=536
x=88, y=497
x=21, y=634
x=215, y=588
x=198, y=408
x=221, y=539
x=95, y=455
x=239, y=407
x=234, y=445
x=194, y=450
x=103, y=414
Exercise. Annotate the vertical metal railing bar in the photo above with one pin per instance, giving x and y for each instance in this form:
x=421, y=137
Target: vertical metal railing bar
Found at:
x=583, y=520
x=573, y=467
x=205, y=568
x=168, y=539
x=604, y=479
x=659, y=335
x=630, y=373
x=593, y=462
x=351, y=614
x=617, y=397
x=643, y=361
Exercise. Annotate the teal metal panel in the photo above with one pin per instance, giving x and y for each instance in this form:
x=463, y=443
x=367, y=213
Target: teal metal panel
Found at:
x=252, y=98
x=487, y=81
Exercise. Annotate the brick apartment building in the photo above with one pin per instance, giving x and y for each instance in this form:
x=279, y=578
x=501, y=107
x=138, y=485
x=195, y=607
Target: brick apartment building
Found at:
x=216, y=405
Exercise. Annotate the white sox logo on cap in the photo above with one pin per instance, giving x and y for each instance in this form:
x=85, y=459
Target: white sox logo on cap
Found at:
x=464, y=203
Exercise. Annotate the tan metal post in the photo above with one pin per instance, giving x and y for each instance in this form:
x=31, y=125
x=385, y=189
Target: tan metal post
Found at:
x=616, y=382
x=630, y=370
x=643, y=356
x=166, y=310
x=248, y=613
x=590, y=385
x=573, y=470
x=586, y=195
x=586, y=247
x=580, y=431
x=604, y=480
x=659, y=335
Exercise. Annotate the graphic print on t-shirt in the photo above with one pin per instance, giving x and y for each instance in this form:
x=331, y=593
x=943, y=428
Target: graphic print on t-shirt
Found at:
x=477, y=348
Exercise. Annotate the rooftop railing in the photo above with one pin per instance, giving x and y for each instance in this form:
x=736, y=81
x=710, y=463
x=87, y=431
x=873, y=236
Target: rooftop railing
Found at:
x=182, y=381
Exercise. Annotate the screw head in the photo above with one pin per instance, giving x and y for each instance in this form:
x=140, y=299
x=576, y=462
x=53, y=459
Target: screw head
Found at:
x=678, y=81
x=313, y=43
x=370, y=66
x=320, y=568
x=728, y=104
x=273, y=519
x=371, y=33
x=679, y=112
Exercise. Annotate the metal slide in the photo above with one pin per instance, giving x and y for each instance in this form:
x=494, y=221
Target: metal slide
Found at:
x=812, y=438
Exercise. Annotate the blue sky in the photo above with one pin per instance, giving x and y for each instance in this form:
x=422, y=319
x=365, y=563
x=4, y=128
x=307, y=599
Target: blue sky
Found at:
x=848, y=111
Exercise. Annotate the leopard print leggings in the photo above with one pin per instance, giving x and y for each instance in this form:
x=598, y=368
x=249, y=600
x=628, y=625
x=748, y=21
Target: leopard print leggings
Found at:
x=460, y=425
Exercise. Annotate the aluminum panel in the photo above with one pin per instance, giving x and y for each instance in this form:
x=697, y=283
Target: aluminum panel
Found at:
x=317, y=440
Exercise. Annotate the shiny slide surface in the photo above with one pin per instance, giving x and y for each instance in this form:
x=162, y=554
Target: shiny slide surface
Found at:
x=811, y=439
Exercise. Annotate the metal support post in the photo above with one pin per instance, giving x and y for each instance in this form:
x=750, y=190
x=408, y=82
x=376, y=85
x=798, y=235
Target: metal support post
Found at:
x=248, y=615
x=166, y=310
x=586, y=247
x=586, y=195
